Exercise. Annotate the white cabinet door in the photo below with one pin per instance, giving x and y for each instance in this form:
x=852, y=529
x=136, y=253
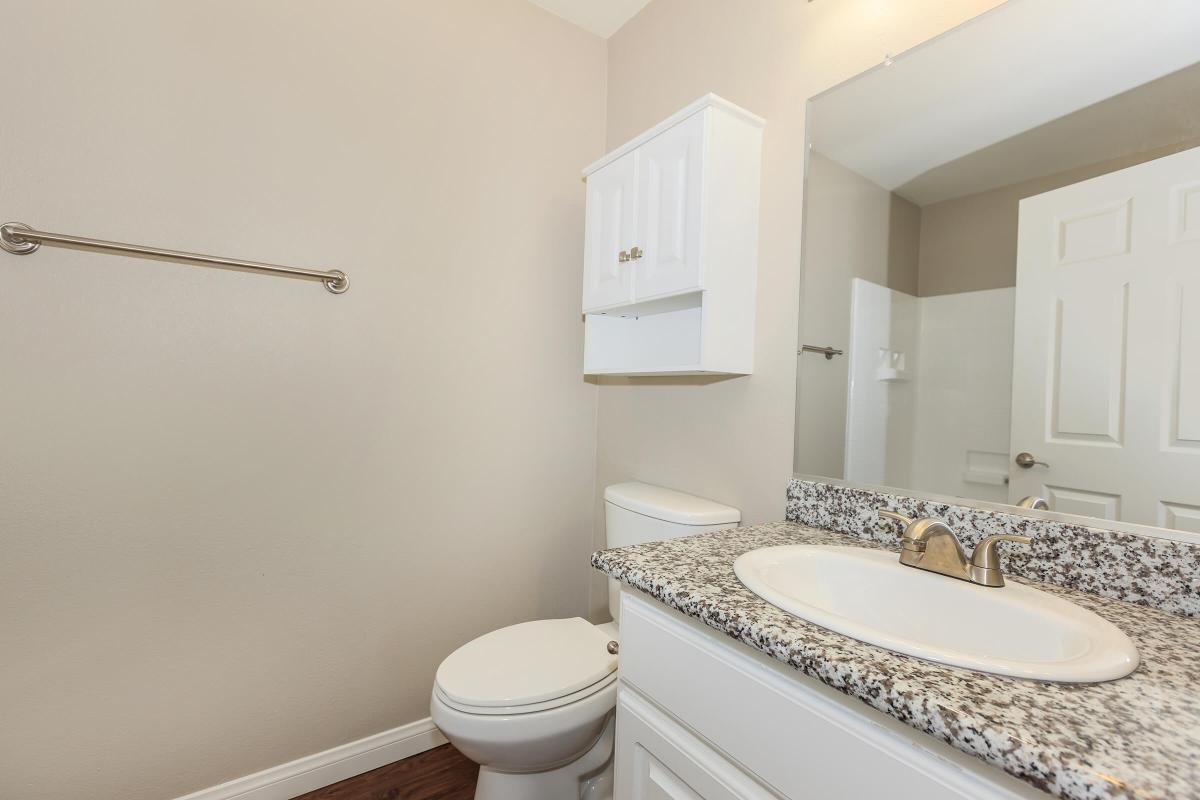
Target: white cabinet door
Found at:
x=1106, y=369
x=609, y=230
x=657, y=759
x=669, y=201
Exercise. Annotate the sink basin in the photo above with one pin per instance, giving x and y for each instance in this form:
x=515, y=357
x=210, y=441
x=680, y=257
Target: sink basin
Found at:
x=870, y=596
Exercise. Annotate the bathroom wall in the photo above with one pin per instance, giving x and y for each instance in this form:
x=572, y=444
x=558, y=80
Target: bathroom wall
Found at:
x=969, y=243
x=883, y=352
x=732, y=440
x=242, y=519
x=857, y=229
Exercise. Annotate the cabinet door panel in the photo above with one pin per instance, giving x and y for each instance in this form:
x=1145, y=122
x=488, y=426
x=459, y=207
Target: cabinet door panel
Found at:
x=653, y=781
x=657, y=759
x=611, y=207
x=669, y=203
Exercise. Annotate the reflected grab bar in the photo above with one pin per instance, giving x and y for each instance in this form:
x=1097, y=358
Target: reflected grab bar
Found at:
x=828, y=352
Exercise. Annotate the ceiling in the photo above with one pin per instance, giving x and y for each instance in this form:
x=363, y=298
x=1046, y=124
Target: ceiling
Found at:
x=1162, y=114
x=1014, y=69
x=601, y=17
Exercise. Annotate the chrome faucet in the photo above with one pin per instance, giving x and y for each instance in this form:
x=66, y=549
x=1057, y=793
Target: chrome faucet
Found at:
x=929, y=544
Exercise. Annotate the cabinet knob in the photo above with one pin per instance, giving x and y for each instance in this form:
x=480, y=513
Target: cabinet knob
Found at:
x=623, y=256
x=635, y=253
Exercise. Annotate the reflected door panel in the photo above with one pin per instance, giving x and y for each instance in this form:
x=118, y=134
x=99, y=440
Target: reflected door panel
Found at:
x=1106, y=369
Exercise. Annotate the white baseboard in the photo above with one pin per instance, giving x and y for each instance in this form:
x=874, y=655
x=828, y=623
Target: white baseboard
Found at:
x=330, y=766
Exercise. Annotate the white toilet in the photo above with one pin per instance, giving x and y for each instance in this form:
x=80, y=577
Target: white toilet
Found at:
x=533, y=703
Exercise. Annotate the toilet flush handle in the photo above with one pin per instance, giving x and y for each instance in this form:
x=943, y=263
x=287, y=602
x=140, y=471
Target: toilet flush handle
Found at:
x=613, y=647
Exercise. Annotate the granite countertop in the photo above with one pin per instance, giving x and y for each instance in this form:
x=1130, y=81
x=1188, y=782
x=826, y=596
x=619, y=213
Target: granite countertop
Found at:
x=1138, y=737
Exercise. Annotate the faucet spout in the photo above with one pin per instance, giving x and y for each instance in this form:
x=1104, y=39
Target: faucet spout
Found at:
x=929, y=544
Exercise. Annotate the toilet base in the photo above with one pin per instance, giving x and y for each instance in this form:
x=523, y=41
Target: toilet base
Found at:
x=589, y=777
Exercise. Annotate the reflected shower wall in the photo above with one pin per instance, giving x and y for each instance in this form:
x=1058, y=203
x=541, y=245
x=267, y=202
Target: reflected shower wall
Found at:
x=929, y=390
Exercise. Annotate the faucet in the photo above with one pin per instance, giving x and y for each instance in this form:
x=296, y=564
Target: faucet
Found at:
x=929, y=544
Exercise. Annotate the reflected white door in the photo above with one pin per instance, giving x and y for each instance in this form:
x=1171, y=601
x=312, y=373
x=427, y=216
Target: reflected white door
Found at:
x=1106, y=364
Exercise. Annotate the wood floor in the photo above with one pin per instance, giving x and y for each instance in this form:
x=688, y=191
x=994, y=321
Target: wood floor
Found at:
x=442, y=773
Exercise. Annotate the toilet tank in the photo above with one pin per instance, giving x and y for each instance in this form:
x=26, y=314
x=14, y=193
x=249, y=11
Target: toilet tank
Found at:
x=635, y=513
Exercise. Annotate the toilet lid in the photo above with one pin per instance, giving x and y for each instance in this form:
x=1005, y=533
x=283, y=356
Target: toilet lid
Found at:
x=527, y=663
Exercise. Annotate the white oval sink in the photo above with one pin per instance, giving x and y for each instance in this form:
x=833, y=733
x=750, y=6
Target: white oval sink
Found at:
x=870, y=596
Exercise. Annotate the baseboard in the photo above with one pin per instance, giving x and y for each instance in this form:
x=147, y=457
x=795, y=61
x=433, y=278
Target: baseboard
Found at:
x=330, y=766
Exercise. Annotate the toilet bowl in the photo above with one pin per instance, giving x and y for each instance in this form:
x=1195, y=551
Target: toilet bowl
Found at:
x=533, y=703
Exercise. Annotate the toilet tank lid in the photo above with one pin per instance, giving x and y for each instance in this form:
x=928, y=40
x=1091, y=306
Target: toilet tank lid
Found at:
x=670, y=505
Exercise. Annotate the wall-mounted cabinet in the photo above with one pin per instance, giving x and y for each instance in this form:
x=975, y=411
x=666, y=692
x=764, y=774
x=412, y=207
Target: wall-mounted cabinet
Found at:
x=671, y=247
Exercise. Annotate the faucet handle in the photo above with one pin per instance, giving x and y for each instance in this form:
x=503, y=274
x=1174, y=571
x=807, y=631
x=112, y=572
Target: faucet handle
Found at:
x=903, y=520
x=985, y=560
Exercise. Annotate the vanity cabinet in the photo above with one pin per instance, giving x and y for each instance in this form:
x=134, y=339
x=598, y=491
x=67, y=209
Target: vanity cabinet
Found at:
x=671, y=247
x=702, y=716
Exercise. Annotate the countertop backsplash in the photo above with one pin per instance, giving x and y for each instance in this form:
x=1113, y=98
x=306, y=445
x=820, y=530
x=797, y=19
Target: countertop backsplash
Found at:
x=1159, y=573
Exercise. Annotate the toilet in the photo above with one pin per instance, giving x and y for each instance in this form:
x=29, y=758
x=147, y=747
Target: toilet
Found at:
x=533, y=703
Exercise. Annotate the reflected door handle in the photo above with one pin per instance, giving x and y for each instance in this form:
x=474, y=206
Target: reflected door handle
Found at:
x=1026, y=460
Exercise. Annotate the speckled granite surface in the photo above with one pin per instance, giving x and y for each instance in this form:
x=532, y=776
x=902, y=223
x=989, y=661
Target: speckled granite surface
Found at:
x=1134, y=738
x=1152, y=572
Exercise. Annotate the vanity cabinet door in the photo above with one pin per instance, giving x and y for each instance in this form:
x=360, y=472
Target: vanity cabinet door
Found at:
x=609, y=232
x=670, y=180
x=657, y=759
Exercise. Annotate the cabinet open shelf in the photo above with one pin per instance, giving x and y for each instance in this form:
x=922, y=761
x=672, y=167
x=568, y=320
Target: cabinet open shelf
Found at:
x=653, y=344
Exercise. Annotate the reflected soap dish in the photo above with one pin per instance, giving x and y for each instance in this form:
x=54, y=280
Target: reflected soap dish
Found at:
x=891, y=374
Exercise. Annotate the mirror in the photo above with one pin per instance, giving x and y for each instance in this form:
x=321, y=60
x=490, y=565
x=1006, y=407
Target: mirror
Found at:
x=1001, y=286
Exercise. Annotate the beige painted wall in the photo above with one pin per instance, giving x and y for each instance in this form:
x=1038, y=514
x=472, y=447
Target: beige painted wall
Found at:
x=856, y=229
x=732, y=440
x=241, y=519
x=970, y=243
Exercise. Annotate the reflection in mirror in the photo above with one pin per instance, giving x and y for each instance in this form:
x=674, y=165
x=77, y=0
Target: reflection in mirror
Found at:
x=1015, y=287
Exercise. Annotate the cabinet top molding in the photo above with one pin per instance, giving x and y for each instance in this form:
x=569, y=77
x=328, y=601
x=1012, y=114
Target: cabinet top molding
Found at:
x=707, y=101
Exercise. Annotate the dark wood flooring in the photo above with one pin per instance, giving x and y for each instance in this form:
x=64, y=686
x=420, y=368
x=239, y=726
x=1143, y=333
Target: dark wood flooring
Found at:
x=442, y=773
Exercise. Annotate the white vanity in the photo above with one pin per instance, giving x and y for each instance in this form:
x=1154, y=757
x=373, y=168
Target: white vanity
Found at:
x=702, y=716
x=723, y=694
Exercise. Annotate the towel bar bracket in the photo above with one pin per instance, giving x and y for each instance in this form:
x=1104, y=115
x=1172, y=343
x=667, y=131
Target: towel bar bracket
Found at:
x=10, y=241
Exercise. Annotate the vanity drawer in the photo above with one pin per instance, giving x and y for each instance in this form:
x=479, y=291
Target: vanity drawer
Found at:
x=800, y=738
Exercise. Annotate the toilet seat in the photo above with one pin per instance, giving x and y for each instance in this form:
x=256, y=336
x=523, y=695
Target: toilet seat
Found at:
x=529, y=667
x=529, y=708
